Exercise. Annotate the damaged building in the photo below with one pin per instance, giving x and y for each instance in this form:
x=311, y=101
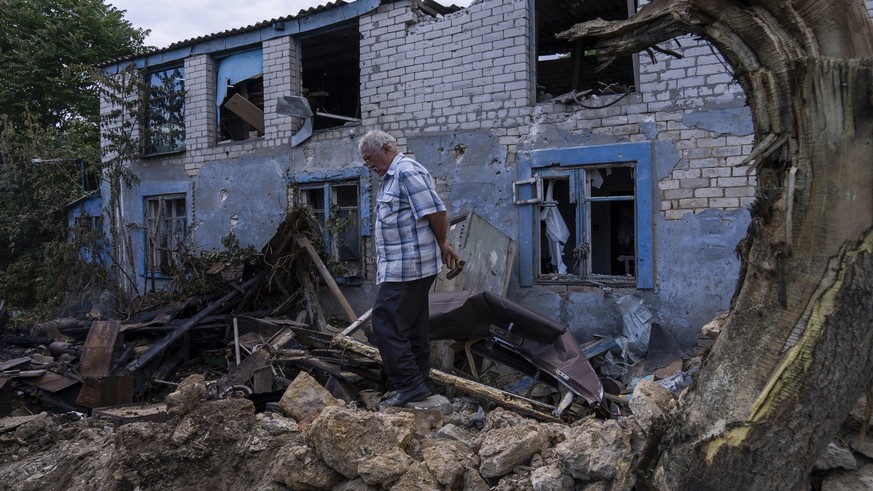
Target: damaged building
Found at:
x=567, y=184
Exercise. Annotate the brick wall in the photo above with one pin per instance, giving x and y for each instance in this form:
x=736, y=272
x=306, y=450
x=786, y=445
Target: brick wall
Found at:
x=469, y=70
x=199, y=110
x=281, y=77
x=472, y=71
x=707, y=175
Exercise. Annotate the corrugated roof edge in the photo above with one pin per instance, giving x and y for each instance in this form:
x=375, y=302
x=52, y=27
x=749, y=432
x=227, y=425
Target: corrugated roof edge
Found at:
x=177, y=50
x=229, y=32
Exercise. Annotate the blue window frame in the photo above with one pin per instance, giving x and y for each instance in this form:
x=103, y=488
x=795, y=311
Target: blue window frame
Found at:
x=586, y=215
x=340, y=201
x=166, y=219
x=165, y=112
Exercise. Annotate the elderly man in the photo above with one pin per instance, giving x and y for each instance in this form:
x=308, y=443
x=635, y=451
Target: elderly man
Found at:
x=411, y=247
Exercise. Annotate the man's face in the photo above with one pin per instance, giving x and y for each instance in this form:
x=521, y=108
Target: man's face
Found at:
x=378, y=160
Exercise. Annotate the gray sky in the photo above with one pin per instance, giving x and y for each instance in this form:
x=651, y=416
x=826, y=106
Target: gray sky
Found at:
x=176, y=20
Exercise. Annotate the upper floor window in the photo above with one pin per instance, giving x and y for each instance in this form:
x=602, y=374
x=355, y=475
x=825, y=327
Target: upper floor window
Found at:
x=165, y=112
x=240, y=96
x=341, y=206
x=587, y=216
x=166, y=228
x=564, y=67
x=330, y=69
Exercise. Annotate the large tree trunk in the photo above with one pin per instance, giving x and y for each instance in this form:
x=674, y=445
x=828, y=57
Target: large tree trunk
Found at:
x=797, y=349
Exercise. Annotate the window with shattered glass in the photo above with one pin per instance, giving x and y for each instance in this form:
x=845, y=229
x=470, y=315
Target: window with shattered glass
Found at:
x=165, y=112
x=166, y=229
x=586, y=224
x=566, y=68
x=240, y=96
x=336, y=206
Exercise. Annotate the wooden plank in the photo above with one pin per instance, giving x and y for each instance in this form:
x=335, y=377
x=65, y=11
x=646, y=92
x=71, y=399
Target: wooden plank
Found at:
x=310, y=299
x=161, y=316
x=358, y=323
x=131, y=413
x=262, y=380
x=327, y=277
x=6, y=365
x=247, y=111
x=442, y=356
x=9, y=423
x=97, y=352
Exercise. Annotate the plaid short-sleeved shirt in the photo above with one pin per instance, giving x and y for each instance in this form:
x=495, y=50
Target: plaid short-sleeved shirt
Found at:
x=406, y=248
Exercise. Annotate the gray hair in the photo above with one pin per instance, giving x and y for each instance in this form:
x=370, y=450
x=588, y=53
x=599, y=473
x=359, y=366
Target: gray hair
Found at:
x=374, y=140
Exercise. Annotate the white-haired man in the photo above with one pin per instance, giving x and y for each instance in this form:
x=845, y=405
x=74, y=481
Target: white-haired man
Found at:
x=411, y=247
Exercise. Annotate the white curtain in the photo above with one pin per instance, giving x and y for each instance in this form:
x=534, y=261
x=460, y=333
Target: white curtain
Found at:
x=556, y=231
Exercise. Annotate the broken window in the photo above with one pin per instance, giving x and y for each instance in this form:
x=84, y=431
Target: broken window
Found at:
x=240, y=96
x=586, y=224
x=165, y=112
x=336, y=206
x=331, y=74
x=588, y=213
x=564, y=67
x=166, y=228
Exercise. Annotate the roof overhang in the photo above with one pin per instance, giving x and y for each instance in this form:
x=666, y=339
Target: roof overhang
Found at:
x=240, y=38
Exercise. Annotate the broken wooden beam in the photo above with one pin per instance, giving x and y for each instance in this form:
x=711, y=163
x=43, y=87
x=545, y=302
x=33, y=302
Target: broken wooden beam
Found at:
x=358, y=323
x=53, y=328
x=167, y=340
x=326, y=276
x=497, y=396
x=309, y=362
x=310, y=300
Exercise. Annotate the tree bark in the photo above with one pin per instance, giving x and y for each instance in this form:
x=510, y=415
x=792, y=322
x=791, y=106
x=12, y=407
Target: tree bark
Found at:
x=797, y=348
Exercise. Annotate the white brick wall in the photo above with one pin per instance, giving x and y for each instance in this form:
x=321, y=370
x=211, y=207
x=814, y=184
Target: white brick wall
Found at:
x=281, y=77
x=442, y=74
x=473, y=70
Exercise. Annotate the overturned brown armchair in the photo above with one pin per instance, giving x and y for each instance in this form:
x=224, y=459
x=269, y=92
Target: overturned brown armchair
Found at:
x=521, y=339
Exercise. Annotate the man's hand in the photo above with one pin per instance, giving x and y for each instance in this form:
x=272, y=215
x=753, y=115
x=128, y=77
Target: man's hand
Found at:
x=439, y=223
x=450, y=257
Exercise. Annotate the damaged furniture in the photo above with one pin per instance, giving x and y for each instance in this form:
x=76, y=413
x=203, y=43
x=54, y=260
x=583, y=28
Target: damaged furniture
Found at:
x=508, y=333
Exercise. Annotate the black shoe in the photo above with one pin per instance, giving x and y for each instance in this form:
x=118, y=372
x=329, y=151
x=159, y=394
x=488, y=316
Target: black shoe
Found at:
x=402, y=397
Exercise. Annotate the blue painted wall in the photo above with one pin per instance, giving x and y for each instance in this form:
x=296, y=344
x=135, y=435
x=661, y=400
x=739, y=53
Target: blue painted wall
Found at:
x=695, y=264
x=245, y=196
x=89, y=207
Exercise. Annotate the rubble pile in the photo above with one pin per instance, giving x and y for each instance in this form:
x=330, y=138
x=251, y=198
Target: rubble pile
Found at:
x=249, y=385
x=226, y=443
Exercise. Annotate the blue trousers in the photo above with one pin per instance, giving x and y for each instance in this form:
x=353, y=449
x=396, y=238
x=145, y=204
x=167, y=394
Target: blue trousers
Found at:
x=400, y=325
